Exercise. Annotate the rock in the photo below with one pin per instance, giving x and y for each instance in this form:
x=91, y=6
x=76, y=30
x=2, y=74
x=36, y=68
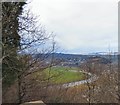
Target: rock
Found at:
x=34, y=102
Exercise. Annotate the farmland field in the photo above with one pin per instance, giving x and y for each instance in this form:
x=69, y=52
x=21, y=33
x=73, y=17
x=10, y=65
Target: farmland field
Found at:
x=60, y=75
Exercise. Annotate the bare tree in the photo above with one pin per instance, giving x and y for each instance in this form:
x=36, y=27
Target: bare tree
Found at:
x=33, y=38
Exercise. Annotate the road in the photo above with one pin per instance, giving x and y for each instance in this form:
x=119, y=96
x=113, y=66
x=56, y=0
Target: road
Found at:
x=72, y=84
x=92, y=78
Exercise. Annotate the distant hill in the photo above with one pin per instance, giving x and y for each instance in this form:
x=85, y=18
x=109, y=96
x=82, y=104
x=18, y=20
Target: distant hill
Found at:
x=77, y=57
x=103, y=53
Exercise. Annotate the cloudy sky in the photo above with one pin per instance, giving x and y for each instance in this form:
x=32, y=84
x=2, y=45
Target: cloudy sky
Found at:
x=81, y=26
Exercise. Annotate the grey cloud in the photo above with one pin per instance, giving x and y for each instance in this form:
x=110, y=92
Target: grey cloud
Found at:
x=80, y=25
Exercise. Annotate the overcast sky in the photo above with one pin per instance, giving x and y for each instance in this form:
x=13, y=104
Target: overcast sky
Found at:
x=81, y=26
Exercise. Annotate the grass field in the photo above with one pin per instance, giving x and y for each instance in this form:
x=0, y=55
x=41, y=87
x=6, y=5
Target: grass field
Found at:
x=60, y=75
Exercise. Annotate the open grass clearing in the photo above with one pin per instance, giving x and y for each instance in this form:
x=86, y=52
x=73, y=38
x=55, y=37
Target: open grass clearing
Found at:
x=61, y=75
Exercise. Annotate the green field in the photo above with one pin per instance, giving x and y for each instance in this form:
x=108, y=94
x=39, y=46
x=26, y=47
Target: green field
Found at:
x=59, y=75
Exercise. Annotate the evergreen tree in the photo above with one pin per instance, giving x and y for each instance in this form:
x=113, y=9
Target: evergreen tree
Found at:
x=10, y=41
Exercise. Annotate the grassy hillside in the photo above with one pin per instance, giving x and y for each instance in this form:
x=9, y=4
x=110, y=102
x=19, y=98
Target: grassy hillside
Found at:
x=59, y=75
